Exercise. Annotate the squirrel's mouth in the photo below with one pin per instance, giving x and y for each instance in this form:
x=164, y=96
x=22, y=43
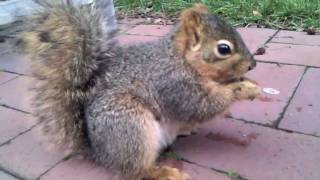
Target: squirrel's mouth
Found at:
x=232, y=80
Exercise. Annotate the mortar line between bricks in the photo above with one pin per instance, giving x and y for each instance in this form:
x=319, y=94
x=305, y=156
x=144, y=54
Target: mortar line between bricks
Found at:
x=3, y=70
x=21, y=133
x=9, y=80
x=143, y=35
x=13, y=108
x=274, y=35
x=308, y=45
x=275, y=128
x=290, y=64
x=49, y=169
x=277, y=122
x=297, y=132
x=11, y=173
x=54, y=165
x=214, y=169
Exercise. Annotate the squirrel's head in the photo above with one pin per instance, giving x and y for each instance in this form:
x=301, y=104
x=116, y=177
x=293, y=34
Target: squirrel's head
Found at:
x=211, y=45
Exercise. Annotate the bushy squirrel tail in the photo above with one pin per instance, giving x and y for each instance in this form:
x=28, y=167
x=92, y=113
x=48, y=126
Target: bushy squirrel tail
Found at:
x=64, y=41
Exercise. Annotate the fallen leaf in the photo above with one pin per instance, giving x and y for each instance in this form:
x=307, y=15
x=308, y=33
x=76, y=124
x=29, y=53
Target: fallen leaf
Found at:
x=311, y=31
x=256, y=13
x=260, y=51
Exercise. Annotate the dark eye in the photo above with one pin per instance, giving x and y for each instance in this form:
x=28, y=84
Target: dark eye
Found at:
x=224, y=49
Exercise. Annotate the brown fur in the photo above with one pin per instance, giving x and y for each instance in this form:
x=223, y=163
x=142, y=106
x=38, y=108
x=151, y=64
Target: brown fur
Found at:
x=195, y=34
x=64, y=75
x=123, y=105
x=191, y=27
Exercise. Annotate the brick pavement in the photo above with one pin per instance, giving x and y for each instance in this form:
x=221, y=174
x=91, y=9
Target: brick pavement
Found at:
x=275, y=137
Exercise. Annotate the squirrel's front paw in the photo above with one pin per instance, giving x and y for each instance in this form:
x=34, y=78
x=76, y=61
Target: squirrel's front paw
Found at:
x=166, y=173
x=245, y=90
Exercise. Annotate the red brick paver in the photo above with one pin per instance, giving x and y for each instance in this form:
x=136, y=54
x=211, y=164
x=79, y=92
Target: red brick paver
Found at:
x=200, y=173
x=131, y=21
x=267, y=110
x=131, y=39
x=5, y=77
x=292, y=54
x=5, y=176
x=14, y=63
x=303, y=113
x=124, y=28
x=77, y=169
x=150, y=30
x=29, y=155
x=253, y=151
x=300, y=38
x=16, y=94
x=255, y=37
x=13, y=123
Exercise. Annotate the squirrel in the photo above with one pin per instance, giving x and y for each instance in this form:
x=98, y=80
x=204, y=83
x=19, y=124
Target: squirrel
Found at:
x=123, y=104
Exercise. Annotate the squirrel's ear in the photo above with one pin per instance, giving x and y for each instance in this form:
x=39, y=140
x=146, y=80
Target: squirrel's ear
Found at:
x=190, y=32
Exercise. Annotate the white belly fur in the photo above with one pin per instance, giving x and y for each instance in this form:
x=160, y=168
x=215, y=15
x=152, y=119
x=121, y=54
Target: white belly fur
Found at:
x=166, y=133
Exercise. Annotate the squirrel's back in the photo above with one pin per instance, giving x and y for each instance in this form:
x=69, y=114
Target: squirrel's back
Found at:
x=64, y=41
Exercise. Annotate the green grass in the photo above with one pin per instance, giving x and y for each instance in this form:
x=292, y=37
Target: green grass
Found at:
x=280, y=14
x=234, y=175
x=171, y=155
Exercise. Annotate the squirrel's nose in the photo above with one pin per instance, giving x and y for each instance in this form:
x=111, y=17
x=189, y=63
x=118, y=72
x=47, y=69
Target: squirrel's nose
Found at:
x=253, y=65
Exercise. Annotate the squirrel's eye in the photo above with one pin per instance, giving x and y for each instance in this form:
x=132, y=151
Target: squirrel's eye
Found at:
x=224, y=49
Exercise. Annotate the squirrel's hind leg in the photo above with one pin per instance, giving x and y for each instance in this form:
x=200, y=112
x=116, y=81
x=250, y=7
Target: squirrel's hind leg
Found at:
x=124, y=135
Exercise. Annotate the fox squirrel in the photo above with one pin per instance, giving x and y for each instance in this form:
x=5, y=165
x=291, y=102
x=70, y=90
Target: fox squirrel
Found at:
x=122, y=105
